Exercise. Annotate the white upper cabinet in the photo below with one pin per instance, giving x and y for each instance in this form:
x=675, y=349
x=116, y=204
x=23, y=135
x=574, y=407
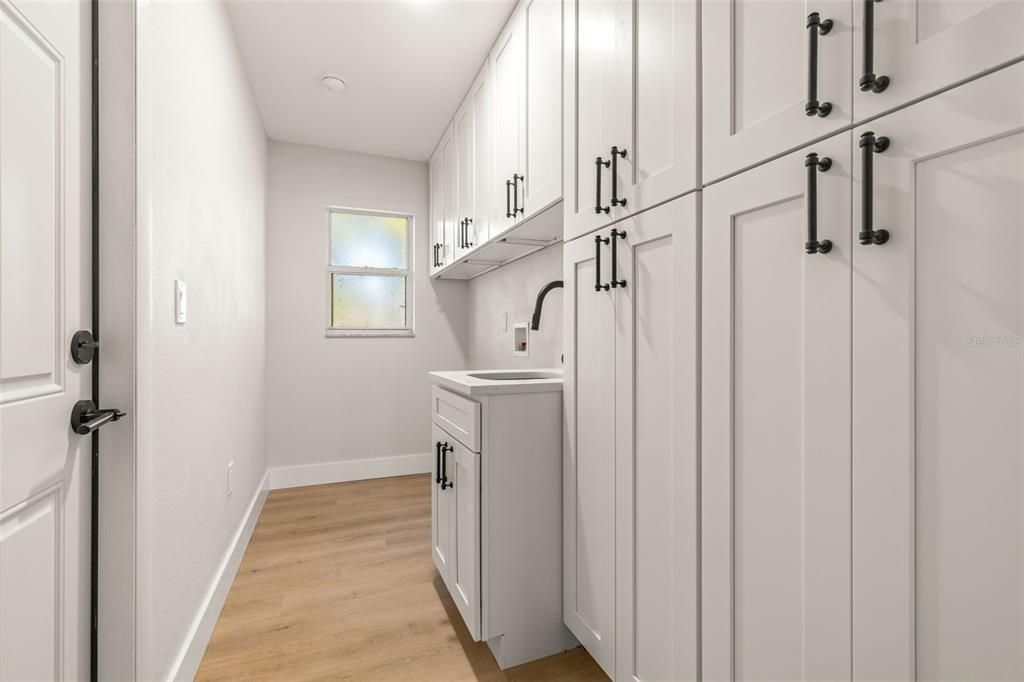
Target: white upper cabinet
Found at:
x=542, y=166
x=939, y=388
x=465, y=175
x=631, y=107
x=480, y=95
x=760, y=60
x=509, y=66
x=775, y=450
x=450, y=165
x=907, y=49
x=436, y=172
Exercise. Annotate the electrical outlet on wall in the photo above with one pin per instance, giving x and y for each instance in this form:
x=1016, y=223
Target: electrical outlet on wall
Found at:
x=180, y=302
x=231, y=484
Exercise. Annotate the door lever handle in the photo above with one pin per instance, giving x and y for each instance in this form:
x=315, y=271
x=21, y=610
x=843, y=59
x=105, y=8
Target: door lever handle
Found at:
x=86, y=417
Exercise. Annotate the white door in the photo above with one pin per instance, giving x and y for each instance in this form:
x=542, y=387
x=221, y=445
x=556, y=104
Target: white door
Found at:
x=656, y=437
x=482, y=157
x=939, y=391
x=658, y=53
x=589, y=454
x=775, y=453
x=542, y=182
x=590, y=106
x=442, y=505
x=44, y=299
x=436, y=172
x=756, y=78
x=449, y=175
x=922, y=47
x=465, y=175
x=509, y=60
x=464, y=465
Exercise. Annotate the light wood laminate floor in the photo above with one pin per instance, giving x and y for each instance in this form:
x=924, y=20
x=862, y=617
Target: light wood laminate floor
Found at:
x=337, y=583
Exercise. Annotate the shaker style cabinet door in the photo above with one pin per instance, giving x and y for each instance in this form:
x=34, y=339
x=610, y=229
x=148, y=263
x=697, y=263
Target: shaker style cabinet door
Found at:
x=465, y=568
x=541, y=185
x=436, y=172
x=483, y=144
x=442, y=505
x=775, y=462
x=939, y=387
x=656, y=436
x=907, y=49
x=657, y=145
x=509, y=68
x=588, y=477
x=777, y=75
x=591, y=85
x=465, y=138
x=449, y=172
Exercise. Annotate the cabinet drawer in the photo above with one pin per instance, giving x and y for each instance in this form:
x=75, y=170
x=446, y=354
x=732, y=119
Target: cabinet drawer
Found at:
x=457, y=415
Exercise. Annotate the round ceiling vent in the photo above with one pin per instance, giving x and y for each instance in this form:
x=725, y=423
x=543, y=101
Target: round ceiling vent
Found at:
x=333, y=83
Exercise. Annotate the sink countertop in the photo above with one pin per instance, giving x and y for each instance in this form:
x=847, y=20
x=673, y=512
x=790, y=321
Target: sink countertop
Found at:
x=462, y=382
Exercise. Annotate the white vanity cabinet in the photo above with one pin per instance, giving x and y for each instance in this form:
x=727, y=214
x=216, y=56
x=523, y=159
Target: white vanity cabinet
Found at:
x=496, y=506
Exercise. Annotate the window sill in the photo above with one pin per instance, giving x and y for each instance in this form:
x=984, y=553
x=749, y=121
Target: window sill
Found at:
x=332, y=333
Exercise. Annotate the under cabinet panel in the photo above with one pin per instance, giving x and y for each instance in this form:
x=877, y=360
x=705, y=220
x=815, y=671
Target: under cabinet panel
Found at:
x=939, y=391
x=775, y=464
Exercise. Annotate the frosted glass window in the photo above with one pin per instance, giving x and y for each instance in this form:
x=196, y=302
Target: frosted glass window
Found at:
x=361, y=240
x=369, y=273
x=368, y=302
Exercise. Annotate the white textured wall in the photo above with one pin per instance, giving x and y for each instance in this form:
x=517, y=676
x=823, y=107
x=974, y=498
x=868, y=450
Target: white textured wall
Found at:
x=202, y=386
x=514, y=289
x=334, y=399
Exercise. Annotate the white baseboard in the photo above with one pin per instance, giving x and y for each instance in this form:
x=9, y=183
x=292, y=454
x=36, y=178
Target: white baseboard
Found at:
x=348, y=470
x=186, y=665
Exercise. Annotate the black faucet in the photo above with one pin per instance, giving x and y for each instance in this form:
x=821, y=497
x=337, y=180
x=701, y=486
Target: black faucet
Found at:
x=535, y=325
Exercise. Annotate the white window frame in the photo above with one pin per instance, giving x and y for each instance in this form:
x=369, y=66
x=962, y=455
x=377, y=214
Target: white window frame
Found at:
x=409, y=272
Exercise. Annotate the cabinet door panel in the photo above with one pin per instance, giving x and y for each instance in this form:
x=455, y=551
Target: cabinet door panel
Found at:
x=442, y=509
x=591, y=84
x=449, y=172
x=775, y=471
x=436, y=207
x=939, y=392
x=923, y=47
x=589, y=455
x=483, y=144
x=543, y=139
x=465, y=173
x=756, y=77
x=509, y=96
x=657, y=621
x=659, y=54
x=465, y=581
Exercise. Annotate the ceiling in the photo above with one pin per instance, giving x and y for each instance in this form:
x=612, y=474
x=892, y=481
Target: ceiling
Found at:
x=407, y=63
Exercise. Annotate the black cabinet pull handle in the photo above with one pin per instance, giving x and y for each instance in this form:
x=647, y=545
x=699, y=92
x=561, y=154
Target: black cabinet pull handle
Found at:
x=869, y=146
x=598, y=240
x=598, y=208
x=616, y=201
x=815, y=26
x=815, y=165
x=869, y=82
x=516, y=208
x=445, y=483
x=437, y=462
x=466, y=231
x=508, y=198
x=435, y=255
x=616, y=236
x=462, y=234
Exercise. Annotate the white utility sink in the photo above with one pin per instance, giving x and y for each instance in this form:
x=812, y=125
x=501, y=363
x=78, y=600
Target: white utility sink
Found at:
x=495, y=381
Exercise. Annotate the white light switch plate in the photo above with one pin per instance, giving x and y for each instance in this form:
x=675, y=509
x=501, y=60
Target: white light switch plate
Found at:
x=503, y=324
x=180, y=302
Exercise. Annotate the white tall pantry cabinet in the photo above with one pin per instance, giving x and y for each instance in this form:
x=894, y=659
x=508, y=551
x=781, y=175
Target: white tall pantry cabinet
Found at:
x=794, y=372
